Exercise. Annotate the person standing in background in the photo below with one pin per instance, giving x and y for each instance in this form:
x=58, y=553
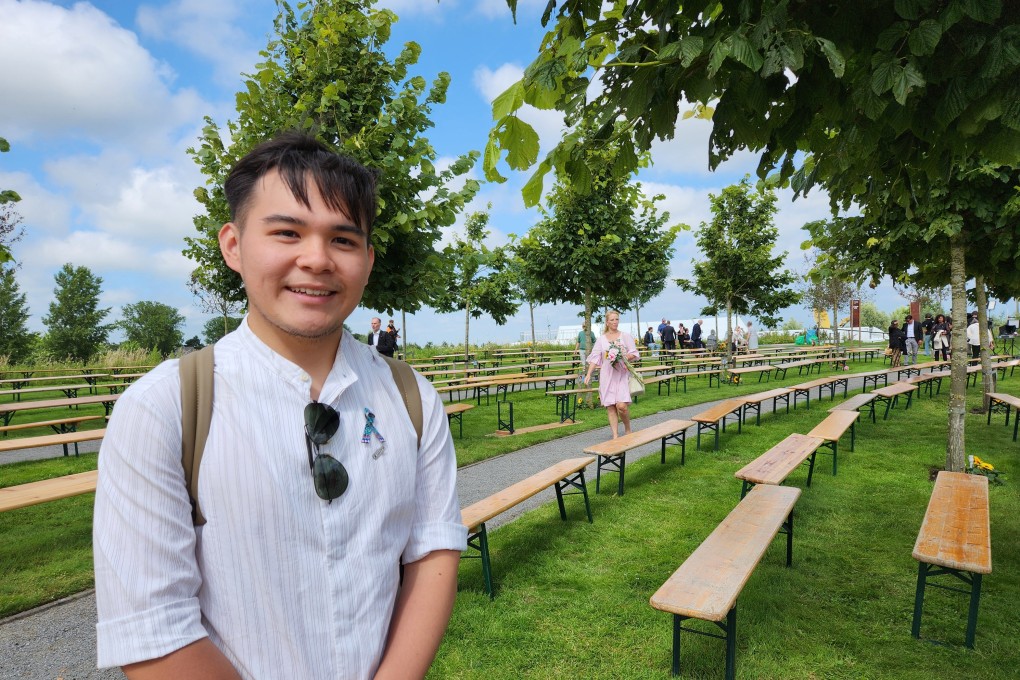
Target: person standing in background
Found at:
x=608, y=355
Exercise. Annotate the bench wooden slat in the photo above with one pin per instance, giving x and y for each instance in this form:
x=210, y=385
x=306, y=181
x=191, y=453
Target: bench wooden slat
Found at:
x=33, y=493
x=708, y=582
x=51, y=440
x=835, y=425
x=487, y=508
x=776, y=464
x=854, y=402
x=719, y=411
x=766, y=395
x=48, y=423
x=955, y=532
x=896, y=389
x=647, y=435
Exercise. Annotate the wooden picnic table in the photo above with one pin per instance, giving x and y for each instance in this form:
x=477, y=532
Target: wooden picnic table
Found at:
x=18, y=383
x=8, y=410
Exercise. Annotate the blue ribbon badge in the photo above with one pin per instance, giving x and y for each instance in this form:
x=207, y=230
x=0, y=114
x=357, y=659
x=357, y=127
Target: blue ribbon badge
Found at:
x=370, y=429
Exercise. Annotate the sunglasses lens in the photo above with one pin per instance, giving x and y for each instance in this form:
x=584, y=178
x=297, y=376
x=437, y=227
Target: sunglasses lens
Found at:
x=330, y=477
x=321, y=422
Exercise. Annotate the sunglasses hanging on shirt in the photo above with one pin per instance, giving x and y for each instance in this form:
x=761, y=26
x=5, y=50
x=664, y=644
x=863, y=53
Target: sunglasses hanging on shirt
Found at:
x=328, y=474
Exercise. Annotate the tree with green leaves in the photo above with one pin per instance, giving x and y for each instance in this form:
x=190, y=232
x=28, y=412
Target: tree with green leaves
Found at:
x=325, y=72
x=866, y=89
x=604, y=247
x=153, y=325
x=9, y=218
x=74, y=325
x=874, y=317
x=479, y=280
x=15, y=338
x=213, y=289
x=739, y=272
x=829, y=284
x=217, y=327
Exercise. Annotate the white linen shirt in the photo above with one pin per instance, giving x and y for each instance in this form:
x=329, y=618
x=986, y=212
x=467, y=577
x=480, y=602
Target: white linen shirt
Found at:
x=286, y=584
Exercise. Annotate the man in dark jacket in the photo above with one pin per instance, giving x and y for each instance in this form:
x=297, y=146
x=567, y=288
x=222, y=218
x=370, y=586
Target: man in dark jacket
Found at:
x=696, y=336
x=381, y=340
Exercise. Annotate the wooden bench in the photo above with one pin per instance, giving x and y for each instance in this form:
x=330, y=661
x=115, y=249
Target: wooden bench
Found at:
x=891, y=395
x=1000, y=401
x=563, y=475
x=762, y=371
x=62, y=439
x=955, y=539
x=800, y=365
x=711, y=373
x=663, y=379
x=776, y=464
x=33, y=493
x=872, y=378
x=70, y=391
x=566, y=402
x=8, y=410
x=456, y=412
x=612, y=454
x=754, y=402
x=928, y=382
x=855, y=402
x=832, y=430
x=59, y=425
x=716, y=416
x=830, y=383
x=708, y=583
x=1003, y=365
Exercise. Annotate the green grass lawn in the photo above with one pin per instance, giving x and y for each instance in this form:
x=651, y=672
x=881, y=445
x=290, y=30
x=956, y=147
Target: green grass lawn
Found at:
x=572, y=598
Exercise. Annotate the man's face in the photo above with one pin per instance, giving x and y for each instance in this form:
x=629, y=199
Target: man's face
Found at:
x=375, y=325
x=304, y=269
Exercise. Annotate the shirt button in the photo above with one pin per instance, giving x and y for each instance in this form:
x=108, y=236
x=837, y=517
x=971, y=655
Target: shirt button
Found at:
x=304, y=377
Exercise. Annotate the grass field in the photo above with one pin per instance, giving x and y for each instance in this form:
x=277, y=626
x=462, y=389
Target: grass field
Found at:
x=572, y=598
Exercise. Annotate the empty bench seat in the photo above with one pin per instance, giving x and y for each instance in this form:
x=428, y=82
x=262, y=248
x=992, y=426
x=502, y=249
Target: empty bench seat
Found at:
x=707, y=584
x=563, y=475
x=955, y=539
x=612, y=454
x=776, y=464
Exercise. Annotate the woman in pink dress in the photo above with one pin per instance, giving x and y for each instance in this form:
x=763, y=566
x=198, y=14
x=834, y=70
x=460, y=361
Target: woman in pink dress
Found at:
x=614, y=378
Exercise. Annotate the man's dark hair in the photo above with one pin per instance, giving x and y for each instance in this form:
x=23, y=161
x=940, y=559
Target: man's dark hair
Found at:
x=346, y=186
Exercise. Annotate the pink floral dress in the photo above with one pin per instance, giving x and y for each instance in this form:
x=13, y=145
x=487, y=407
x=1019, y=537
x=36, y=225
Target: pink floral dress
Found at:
x=614, y=381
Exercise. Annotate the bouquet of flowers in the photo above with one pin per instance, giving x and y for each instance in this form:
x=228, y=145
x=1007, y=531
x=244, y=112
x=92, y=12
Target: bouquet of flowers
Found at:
x=614, y=354
x=976, y=466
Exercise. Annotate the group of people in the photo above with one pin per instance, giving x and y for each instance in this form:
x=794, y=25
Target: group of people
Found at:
x=933, y=334
x=670, y=338
x=384, y=341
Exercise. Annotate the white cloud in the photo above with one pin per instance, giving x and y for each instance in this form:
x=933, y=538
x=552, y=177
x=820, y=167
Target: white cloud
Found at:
x=75, y=72
x=42, y=210
x=209, y=30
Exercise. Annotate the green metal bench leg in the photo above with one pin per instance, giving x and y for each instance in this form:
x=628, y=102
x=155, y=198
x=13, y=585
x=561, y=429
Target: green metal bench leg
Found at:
x=811, y=467
x=677, y=620
x=482, y=546
x=835, y=454
x=972, y=613
x=922, y=577
x=731, y=644
x=853, y=427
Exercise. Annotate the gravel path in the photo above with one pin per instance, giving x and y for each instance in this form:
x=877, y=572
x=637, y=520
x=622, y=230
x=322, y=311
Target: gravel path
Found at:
x=58, y=640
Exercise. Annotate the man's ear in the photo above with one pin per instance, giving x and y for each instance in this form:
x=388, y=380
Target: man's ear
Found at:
x=230, y=245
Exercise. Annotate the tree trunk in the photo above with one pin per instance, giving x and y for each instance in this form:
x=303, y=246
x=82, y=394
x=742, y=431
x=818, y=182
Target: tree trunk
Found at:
x=834, y=324
x=955, y=452
x=637, y=320
x=531, y=309
x=467, y=328
x=987, y=372
x=729, y=334
x=589, y=398
x=403, y=333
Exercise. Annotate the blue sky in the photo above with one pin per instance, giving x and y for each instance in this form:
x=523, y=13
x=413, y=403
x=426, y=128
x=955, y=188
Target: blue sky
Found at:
x=101, y=99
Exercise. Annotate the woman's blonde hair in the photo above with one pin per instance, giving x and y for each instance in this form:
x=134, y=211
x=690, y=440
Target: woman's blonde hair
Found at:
x=605, y=326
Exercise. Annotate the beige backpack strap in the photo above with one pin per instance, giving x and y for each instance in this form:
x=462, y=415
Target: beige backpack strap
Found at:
x=196, y=371
x=403, y=375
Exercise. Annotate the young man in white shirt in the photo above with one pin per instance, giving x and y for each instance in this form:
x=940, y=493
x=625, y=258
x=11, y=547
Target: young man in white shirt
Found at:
x=294, y=574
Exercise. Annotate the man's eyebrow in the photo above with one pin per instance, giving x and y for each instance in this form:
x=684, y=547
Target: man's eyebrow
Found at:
x=342, y=227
